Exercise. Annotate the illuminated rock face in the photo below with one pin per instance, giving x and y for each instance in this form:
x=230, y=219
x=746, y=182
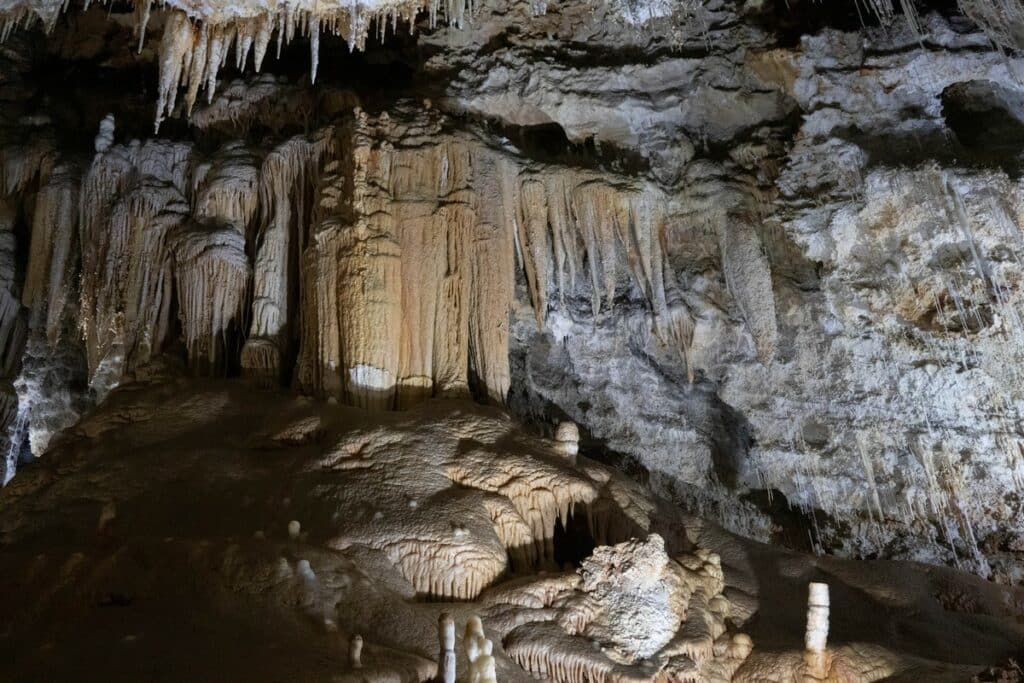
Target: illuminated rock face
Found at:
x=767, y=260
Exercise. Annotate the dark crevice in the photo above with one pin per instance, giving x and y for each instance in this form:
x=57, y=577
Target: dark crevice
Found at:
x=795, y=527
x=573, y=541
x=548, y=143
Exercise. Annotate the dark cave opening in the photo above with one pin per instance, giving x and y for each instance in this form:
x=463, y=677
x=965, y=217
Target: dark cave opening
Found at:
x=573, y=541
x=80, y=79
x=791, y=20
x=797, y=528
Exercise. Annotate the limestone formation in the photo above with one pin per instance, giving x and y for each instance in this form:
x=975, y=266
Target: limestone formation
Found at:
x=567, y=439
x=446, y=656
x=584, y=341
x=355, y=651
x=633, y=613
x=816, y=638
x=374, y=496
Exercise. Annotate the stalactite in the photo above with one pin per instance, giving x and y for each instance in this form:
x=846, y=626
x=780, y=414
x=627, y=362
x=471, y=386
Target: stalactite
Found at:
x=131, y=197
x=131, y=289
x=369, y=293
x=533, y=238
x=417, y=219
x=49, y=277
x=211, y=272
x=493, y=279
x=24, y=163
x=176, y=52
x=749, y=279
x=285, y=177
x=543, y=497
x=11, y=326
x=229, y=190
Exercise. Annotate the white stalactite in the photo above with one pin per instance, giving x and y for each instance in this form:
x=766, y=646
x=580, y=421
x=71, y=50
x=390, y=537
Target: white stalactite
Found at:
x=212, y=275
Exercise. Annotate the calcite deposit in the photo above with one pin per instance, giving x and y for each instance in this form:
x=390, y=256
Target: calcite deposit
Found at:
x=592, y=342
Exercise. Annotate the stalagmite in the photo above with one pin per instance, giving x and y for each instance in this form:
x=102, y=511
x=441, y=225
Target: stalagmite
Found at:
x=105, y=135
x=446, y=656
x=475, y=643
x=816, y=638
x=567, y=440
x=642, y=618
x=355, y=651
x=483, y=669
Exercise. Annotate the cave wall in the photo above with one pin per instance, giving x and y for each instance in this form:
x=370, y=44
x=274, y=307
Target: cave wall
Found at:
x=768, y=258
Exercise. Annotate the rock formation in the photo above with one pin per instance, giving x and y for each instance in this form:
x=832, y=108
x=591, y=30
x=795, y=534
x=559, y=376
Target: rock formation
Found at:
x=491, y=340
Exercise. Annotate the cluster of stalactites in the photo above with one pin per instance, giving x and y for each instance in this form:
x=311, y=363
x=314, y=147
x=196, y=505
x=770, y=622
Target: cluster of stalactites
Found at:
x=407, y=285
x=566, y=219
x=193, y=52
x=24, y=15
x=567, y=222
x=288, y=173
x=131, y=197
x=212, y=277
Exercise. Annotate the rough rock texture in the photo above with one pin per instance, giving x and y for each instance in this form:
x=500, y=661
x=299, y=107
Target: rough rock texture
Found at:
x=165, y=517
x=764, y=256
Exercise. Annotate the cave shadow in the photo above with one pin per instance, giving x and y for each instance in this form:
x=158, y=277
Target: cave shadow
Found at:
x=875, y=611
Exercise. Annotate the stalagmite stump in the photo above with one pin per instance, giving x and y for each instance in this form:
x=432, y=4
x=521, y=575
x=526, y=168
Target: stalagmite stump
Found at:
x=446, y=656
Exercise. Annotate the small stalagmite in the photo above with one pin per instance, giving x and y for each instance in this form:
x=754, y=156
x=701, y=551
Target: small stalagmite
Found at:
x=816, y=638
x=567, y=440
x=446, y=656
x=355, y=652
